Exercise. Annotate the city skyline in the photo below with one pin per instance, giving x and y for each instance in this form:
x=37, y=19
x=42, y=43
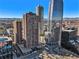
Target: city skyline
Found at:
x=39, y=29
x=15, y=9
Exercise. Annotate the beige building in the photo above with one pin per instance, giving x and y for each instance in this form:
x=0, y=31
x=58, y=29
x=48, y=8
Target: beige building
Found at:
x=17, y=30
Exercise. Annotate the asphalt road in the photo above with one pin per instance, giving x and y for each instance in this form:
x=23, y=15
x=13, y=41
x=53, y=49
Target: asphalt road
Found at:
x=31, y=55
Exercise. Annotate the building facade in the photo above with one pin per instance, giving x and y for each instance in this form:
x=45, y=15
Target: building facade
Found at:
x=40, y=13
x=56, y=17
x=17, y=30
x=30, y=29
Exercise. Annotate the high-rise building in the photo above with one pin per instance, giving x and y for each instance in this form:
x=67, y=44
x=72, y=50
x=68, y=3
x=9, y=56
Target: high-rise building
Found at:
x=40, y=13
x=30, y=29
x=55, y=11
x=56, y=16
x=17, y=25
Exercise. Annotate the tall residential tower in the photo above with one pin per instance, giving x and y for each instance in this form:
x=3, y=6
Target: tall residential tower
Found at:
x=30, y=29
x=40, y=13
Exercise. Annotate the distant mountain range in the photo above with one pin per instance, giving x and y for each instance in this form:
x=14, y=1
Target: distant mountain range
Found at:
x=71, y=19
x=12, y=19
x=8, y=20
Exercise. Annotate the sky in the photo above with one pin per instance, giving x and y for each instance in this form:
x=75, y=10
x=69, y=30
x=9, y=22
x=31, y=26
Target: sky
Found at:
x=16, y=8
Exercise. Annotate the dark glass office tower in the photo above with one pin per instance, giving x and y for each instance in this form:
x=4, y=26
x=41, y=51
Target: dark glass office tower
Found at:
x=57, y=9
x=56, y=16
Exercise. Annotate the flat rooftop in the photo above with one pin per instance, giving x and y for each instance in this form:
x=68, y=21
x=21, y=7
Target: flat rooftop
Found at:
x=68, y=30
x=5, y=39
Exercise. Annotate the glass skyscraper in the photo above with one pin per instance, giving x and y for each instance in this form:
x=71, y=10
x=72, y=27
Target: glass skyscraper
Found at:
x=56, y=16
